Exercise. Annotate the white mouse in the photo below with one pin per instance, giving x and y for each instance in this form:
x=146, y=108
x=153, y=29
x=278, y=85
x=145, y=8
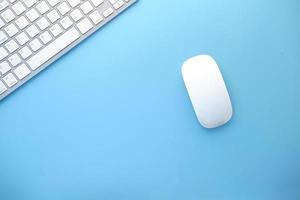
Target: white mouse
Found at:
x=207, y=91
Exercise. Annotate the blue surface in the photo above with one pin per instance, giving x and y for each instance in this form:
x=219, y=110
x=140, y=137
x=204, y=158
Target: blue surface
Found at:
x=112, y=119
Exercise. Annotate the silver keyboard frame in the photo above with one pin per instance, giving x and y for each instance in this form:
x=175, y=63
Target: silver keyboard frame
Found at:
x=66, y=50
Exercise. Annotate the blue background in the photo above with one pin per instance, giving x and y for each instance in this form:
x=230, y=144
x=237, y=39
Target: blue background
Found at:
x=112, y=119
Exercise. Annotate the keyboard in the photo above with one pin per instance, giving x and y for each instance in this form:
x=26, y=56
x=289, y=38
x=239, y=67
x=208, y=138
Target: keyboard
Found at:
x=35, y=33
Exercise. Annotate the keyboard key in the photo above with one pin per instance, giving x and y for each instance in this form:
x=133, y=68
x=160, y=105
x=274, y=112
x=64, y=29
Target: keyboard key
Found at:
x=108, y=12
x=42, y=7
x=8, y=15
x=32, y=30
x=76, y=15
x=1, y=23
x=96, y=17
x=53, y=48
x=14, y=60
x=22, y=38
x=4, y=4
x=22, y=22
x=3, y=88
x=4, y=67
x=10, y=80
x=74, y=3
x=35, y=44
x=25, y=52
x=66, y=22
x=118, y=4
x=84, y=26
x=43, y=23
x=86, y=7
x=46, y=37
x=11, y=46
x=97, y=2
x=3, y=53
x=11, y=30
x=53, y=2
x=3, y=37
x=32, y=15
x=56, y=30
x=22, y=71
x=63, y=8
x=19, y=8
x=53, y=16
x=29, y=3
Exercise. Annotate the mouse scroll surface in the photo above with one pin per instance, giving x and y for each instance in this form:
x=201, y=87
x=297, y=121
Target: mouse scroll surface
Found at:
x=207, y=91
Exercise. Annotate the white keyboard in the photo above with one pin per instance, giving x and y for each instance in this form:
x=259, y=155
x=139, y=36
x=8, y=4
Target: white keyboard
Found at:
x=34, y=33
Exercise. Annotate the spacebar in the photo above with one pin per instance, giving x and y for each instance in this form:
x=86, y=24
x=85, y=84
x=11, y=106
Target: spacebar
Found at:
x=53, y=48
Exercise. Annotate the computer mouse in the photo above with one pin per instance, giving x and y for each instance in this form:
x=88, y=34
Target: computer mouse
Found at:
x=207, y=91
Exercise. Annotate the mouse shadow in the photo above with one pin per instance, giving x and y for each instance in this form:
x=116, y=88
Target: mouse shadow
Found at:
x=221, y=129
